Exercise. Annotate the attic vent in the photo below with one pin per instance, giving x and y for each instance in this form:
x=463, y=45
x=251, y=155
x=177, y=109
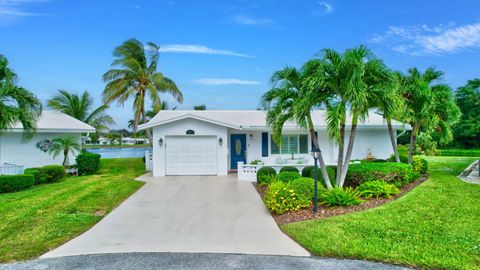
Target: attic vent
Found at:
x=190, y=132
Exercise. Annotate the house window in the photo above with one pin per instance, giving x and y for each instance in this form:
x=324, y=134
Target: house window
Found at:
x=292, y=144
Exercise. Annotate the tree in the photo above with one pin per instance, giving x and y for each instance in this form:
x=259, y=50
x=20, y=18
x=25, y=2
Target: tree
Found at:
x=200, y=107
x=80, y=107
x=136, y=76
x=467, y=130
x=151, y=113
x=355, y=78
x=17, y=104
x=289, y=99
x=65, y=145
x=429, y=105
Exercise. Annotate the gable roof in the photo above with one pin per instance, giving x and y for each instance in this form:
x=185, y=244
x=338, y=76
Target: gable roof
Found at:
x=255, y=120
x=54, y=121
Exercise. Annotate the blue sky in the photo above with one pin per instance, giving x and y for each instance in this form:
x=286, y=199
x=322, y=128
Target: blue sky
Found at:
x=222, y=53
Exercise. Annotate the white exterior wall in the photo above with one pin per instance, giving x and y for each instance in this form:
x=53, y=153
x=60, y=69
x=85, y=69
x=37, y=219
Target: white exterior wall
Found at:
x=179, y=128
x=14, y=150
x=375, y=141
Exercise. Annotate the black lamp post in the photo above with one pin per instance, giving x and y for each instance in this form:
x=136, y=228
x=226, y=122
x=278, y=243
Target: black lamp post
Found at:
x=315, y=155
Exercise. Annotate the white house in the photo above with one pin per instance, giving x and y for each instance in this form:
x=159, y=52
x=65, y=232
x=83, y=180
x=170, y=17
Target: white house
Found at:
x=218, y=142
x=14, y=149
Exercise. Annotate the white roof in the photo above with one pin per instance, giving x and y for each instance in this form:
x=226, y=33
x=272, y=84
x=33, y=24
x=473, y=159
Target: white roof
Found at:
x=54, y=121
x=255, y=119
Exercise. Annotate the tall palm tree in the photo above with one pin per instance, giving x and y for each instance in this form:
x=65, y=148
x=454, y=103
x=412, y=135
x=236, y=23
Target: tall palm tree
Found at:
x=287, y=100
x=135, y=75
x=429, y=105
x=80, y=107
x=17, y=105
x=65, y=145
x=354, y=77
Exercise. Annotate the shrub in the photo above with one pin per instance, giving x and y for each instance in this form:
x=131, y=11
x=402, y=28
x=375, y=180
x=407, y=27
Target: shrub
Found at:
x=52, y=173
x=340, y=197
x=420, y=165
x=389, y=172
x=280, y=198
x=308, y=171
x=37, y=175
x=255, y=162
x=459, y=152
x=264, y=174
x=287, y=177
x=376, y=189
x=403, y=158
x=303, y=186
x=88, y=163
x=11, y=183
x=289, y=169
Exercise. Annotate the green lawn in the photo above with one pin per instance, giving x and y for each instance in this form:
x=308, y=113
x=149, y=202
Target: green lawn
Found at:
x=41, y=218
x=435, y=226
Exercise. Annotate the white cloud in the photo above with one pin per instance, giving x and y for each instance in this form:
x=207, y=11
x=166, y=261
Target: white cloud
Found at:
x=323, y=9
x=248, y=20
x=11, y=10
x=200, y=49
x=424, y=39
x=221, y=81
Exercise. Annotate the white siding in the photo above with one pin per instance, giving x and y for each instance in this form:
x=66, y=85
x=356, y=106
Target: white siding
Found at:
x=14, y=150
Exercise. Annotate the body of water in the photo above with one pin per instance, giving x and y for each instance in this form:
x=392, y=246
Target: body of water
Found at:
x=119, y=152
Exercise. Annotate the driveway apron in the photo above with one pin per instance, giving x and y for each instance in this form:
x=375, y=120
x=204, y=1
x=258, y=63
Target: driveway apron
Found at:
x=201, y=214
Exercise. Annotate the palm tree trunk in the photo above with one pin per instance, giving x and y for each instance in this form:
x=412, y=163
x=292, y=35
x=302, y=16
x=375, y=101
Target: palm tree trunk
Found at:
x=351, y=140
x=323, y=167
x=413, y=140
x=340, y=152
x=148, y=132
x=393, y=139
x=65, y=157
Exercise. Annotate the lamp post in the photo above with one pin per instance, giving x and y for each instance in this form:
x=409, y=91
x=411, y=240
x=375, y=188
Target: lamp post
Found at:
x=315, y=155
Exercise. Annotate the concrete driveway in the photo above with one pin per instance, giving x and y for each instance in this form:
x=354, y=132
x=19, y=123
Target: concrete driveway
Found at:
x=204, y=214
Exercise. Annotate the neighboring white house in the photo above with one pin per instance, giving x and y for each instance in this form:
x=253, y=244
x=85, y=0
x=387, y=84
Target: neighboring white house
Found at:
x=132, y=141
x=217, y=142
x=33, y=152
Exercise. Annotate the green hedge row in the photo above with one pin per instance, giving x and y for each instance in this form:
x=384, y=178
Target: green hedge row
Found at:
x=390, y=172
x=46, y=174
x=88, y=163
x=11, y=183
x=459, y=152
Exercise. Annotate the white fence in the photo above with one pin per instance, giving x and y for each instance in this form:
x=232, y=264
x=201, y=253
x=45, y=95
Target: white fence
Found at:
x=10, y=169
x=148, y=160
x=249, y=172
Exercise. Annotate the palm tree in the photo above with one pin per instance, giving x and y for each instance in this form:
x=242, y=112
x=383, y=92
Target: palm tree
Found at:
x=429, y=105
x=286, y=101
x=17, y=105
x=201, y=107
x=64, y=145
x=151, y=113
x=80, y=107
x=354, y=78
x=137, y=77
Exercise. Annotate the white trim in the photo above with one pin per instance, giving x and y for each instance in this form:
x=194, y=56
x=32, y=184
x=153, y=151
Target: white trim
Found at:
x=191, y=116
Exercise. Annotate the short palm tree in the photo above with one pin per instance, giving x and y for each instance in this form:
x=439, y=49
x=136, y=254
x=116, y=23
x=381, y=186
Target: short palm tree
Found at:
x=17, y=105
x=65, y=145
x=136, y=76
x=288, y=100
x=151, y=113
x=429, y=105
x=80, y=107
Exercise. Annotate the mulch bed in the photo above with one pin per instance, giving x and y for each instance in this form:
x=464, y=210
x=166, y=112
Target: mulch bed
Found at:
x=327, y=211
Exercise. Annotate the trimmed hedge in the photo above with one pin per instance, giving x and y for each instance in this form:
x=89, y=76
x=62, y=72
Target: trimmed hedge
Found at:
x=289, y=169
x=11, y=183
x=287, y=177
x=308, y=171
x=88, y=163
x=420, y=165
x=37, y=175
x=264, y=175
x=459, y=152
x=389, y=172
x=52, y=173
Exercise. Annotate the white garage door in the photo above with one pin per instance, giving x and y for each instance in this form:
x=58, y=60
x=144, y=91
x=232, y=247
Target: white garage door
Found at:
x=191, y=155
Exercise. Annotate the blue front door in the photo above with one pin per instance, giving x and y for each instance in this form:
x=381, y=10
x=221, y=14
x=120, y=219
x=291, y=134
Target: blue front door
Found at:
x=238, y=148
